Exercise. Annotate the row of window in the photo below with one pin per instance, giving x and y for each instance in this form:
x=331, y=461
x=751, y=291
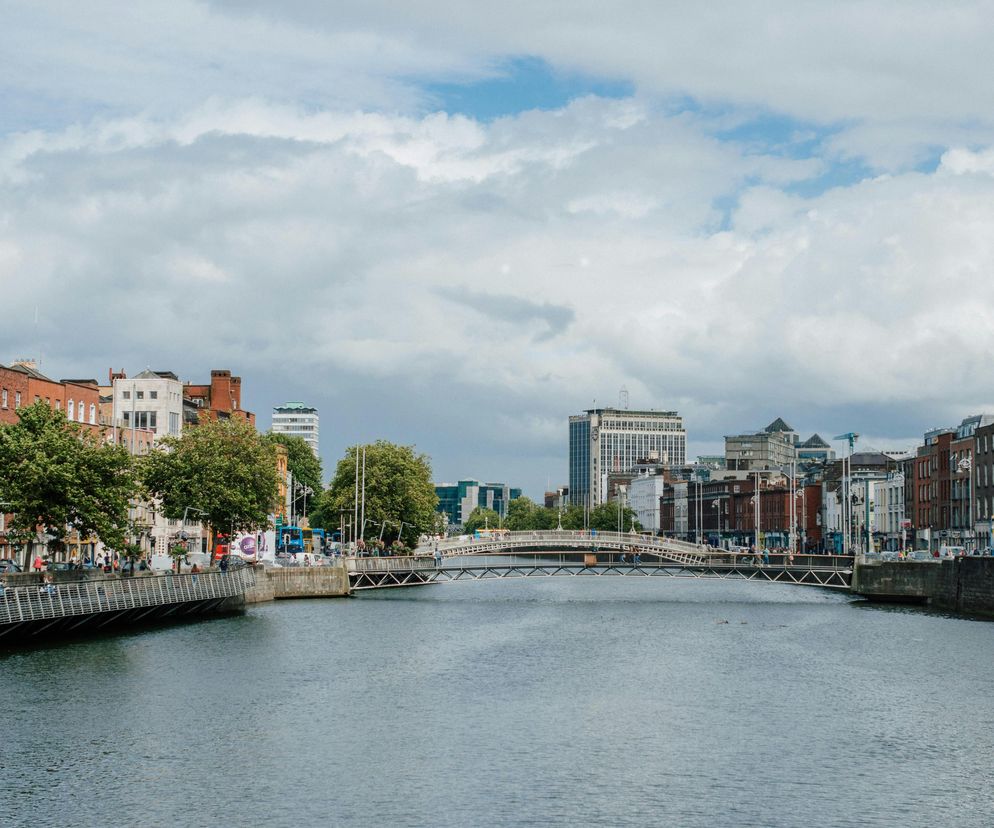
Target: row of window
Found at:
x=643, y=425
x=74, y=411
x=140, y=395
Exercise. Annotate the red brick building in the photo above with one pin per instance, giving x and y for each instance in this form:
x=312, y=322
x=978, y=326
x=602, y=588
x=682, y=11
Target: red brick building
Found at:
x=219, y=400
x=22, y=384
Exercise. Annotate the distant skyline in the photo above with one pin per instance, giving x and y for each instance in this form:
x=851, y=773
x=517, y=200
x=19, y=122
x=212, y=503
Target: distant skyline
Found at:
x=456, y=226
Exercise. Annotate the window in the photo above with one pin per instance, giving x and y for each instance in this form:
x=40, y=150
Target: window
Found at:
x=81, y=415
x=126, y=395
x=17, y=399
x=139, y=395
x=93, y=414
x=3, y=399
x=58, y=405
x=153, y=395
x=37, y=398
x=173, y=423
x=71, y=409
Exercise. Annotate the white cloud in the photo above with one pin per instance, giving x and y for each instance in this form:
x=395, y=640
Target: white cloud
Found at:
x=431, y=278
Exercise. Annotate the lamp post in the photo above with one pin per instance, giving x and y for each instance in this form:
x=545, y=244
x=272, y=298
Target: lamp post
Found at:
x=804, y=518
x=965, y=466
x=716, y=505
x=851, y=438
x=755, y=500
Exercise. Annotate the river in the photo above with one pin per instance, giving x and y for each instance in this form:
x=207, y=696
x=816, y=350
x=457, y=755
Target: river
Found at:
x=556, y=701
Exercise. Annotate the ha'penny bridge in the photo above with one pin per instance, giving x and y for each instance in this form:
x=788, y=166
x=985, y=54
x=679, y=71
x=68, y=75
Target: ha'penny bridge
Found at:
x=589, y=554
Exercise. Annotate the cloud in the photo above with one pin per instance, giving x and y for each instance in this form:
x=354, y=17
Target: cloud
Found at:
x=512, y=309
x=295, y=214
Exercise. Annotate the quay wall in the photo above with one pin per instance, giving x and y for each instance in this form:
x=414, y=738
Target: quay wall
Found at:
x=299, y=582
x=961, y=584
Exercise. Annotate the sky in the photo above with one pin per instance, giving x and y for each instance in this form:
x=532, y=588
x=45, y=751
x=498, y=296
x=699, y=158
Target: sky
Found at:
x=453, y=226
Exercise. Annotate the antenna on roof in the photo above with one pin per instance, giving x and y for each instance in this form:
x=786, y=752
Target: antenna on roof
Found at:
x=623, y=398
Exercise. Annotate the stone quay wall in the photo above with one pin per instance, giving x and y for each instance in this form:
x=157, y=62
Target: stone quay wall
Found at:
x=961, y=585
x=299, y=582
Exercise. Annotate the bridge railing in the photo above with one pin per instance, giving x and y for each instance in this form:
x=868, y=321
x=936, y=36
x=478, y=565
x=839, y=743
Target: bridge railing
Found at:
x=503, y=556
x=579, y=537
x=39, y=602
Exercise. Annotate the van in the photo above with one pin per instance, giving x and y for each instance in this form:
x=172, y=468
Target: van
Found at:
x=951, y=551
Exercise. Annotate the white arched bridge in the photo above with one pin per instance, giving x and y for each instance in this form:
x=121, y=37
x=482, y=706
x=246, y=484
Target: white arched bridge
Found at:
x=588, y=553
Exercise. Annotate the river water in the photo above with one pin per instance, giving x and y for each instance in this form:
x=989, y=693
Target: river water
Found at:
x=558, y=701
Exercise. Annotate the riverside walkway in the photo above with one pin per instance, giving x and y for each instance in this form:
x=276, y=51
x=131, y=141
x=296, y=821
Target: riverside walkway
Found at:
x=69, y=607
x=576, y=553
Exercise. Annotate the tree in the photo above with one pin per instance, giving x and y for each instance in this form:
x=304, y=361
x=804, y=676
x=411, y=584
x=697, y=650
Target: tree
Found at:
x=223, y=468
x=303, y=464
x=399, y=490
x=605, y=518
x=58, y=477
x=523, y=514
x=481, y=518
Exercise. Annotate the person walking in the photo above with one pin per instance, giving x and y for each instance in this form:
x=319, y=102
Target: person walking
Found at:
x=38, y=564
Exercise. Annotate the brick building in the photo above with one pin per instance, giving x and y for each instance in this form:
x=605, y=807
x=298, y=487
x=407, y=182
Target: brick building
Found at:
x=219, y=400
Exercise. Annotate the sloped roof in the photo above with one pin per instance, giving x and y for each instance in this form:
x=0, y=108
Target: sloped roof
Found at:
x=31, y=372
x=814, y=441
x=777, y=425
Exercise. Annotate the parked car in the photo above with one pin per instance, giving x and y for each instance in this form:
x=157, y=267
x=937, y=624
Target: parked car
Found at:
x=9, y=565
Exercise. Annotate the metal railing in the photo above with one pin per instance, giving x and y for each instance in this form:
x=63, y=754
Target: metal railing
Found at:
x=61, y=600
x=580, y=538
x=483, y=556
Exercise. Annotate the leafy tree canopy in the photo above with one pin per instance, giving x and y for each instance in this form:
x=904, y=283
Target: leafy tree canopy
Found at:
x=304, y=465
x=222, y=468
x=399, y=489
x=524, y=514
x=609, y=518
x=59, y=477
x=481, y=518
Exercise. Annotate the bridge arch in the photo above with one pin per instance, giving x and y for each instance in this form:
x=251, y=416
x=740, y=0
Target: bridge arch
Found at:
x=588, y=553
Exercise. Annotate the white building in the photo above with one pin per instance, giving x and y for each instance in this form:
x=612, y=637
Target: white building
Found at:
x=644, y=492
x=603, y=440
x=151, y=400
x=297, y=420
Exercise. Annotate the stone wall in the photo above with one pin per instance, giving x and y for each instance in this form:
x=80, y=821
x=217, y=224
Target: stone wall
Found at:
x=960, y=585
x=308, y=581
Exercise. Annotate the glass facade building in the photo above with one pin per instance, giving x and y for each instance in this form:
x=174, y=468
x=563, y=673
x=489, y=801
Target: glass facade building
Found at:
x=606, y=440
x=458, y=500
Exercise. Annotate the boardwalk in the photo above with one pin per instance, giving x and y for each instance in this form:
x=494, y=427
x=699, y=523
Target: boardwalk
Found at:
x=36, y=610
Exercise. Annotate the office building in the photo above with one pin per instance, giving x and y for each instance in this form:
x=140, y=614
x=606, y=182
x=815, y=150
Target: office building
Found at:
x=458, y=500
x=297, y=420
x=611, y=440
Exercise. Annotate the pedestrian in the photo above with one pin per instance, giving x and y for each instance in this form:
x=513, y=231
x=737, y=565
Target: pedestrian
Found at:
x=223, y=563
x=38, y=564
x=766, y=556
x=438, y=556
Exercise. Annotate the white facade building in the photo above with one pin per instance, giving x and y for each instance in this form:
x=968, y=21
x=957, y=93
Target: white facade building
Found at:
x=297, y=420
x=603, y=440
x=643, y=498
x=151, y=400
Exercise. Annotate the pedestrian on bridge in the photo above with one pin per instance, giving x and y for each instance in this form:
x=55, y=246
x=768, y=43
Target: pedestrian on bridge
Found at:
x=438, y=555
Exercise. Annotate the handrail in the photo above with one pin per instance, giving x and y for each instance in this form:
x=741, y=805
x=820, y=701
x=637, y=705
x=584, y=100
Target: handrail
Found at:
x=50, y=601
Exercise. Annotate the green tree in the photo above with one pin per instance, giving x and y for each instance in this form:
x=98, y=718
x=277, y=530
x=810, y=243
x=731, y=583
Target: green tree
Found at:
x=399, y=490
x=523, y=514
x=605, y=518
x=223, y=468
x=481, y=518
x=59, y=477
x=303, y=464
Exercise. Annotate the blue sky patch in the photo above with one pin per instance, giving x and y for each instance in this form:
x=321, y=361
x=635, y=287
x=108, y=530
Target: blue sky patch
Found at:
x=522, y=84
